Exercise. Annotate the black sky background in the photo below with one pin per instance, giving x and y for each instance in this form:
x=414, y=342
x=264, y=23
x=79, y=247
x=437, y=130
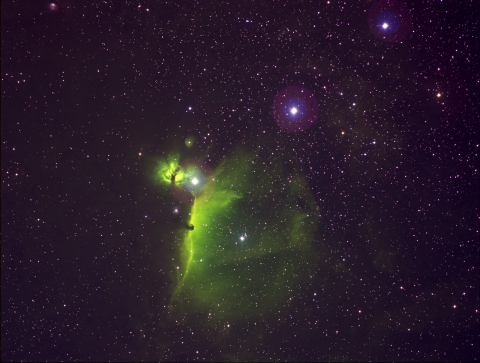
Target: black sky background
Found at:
x=94, y=92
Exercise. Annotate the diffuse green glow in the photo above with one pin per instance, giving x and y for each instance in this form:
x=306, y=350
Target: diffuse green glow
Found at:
x=168, y=170
x=251, y=245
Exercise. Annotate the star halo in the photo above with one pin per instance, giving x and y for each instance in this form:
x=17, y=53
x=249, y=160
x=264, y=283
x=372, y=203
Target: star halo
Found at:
x=197, y=180
x=390, y=20
x=295, y=108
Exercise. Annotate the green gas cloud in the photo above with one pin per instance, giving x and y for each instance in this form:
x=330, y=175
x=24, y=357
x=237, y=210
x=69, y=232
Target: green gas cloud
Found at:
x=166, y=168
x=251, y=245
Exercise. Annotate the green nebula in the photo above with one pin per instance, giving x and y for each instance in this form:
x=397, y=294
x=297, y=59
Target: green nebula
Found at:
x=167, y=168
x=251, y=246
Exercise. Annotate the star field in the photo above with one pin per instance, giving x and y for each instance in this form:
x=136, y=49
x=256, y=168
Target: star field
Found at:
x=248, y=181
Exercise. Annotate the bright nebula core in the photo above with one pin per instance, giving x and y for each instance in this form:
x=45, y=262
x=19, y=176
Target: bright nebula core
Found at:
x=295, y=108
x=191, y=179
x=390, y=20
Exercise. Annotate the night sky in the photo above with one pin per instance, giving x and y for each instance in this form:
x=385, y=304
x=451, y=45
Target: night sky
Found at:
x=240, y=180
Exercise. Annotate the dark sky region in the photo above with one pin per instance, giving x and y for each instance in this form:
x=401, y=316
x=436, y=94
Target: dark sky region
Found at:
x=240, y=180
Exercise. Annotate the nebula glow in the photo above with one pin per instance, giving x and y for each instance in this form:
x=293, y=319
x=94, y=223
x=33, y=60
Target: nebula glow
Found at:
x=166, y=168
x=188, y=179
x=252, y=245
